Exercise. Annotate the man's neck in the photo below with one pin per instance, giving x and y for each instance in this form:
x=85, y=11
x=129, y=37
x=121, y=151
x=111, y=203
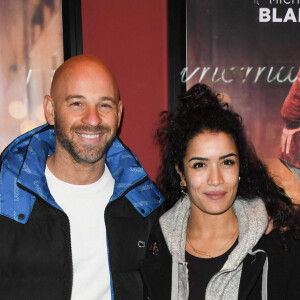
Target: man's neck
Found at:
x=70, y=171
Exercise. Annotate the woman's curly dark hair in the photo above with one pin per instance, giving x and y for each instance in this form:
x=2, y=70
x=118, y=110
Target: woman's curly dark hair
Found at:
x=200, y=111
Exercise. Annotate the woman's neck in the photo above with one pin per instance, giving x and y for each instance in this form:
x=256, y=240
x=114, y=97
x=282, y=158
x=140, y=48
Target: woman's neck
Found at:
x=207, y=224
x=211, y=235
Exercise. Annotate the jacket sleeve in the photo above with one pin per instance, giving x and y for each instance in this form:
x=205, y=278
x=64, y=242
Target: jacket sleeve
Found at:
x=290, y=111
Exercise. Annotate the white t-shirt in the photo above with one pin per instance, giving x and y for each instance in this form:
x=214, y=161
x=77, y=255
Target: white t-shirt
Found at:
x=84, y=206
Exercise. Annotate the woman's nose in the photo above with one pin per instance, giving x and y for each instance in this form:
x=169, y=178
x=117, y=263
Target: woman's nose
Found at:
x=215, y=176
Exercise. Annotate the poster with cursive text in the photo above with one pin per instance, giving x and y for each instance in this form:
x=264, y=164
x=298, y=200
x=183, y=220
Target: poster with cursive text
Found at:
x=248, y=50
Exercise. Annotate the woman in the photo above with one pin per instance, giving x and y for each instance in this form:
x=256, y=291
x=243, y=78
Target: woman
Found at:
x=211, y=243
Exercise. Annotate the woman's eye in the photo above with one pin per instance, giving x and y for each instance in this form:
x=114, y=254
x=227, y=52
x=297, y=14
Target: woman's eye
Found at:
x=198, y=165
x=228, y=162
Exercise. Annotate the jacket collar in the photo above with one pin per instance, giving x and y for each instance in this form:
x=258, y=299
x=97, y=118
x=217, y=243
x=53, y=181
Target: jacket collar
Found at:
x=22, y=176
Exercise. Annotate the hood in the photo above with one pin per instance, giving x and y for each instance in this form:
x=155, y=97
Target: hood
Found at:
x=22, y=175
x=253, y=221
x=173, y=224
x=252, y=218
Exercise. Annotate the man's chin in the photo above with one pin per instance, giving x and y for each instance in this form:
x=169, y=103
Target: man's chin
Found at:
x=88, y=157
x=85, y=153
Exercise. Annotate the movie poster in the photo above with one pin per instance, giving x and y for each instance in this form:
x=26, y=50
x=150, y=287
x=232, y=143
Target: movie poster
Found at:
x=31, y=48
x=249, y=50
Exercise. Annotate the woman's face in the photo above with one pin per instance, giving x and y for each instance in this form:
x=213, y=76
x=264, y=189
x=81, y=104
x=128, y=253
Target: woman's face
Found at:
x=211, y=172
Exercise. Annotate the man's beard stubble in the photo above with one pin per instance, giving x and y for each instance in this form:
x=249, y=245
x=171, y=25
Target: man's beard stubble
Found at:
x=87, y=154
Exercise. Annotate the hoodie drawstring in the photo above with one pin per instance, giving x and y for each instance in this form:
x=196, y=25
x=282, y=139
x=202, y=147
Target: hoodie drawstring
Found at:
x=174, y=294
x=264, y=287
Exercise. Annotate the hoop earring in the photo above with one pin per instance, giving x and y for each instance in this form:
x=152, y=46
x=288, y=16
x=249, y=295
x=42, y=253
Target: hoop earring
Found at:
x=183, y=190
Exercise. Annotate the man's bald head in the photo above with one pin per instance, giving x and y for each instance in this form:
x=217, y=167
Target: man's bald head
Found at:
x=85, y=109
x=75, y=66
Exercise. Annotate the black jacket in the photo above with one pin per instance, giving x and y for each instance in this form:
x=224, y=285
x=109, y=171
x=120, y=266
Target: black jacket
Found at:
x=35, y=246
x=283, y=272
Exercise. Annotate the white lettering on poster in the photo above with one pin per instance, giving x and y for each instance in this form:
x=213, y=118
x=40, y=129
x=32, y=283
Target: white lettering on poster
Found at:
x=284, y=1
x=290, y=15
x=233, y=74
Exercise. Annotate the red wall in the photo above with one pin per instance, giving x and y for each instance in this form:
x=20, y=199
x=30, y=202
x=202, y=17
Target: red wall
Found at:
x=131, y=37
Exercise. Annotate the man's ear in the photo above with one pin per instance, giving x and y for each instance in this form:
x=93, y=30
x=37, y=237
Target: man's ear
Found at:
x=49, y=109
x=181, y=175
x=120, y=111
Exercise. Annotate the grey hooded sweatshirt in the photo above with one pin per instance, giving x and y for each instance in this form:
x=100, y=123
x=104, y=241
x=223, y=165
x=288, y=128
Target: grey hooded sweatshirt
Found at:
x=253, y=220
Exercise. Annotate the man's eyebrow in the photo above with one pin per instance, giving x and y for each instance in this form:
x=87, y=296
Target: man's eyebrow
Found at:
x=108, y=98
x=83, y=97
x=74, y=97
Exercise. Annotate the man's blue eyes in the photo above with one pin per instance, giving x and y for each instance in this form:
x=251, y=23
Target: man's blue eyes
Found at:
x=106, y=105
x=102, y=105
x=75, y=103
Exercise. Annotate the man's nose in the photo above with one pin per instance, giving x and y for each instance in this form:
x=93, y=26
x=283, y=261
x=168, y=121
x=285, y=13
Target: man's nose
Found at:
x=92, y=116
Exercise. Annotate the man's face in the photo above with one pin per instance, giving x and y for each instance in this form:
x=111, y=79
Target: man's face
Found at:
x=87, y=113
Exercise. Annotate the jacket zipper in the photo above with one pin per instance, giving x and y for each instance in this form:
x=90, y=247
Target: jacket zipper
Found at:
x=108, y=248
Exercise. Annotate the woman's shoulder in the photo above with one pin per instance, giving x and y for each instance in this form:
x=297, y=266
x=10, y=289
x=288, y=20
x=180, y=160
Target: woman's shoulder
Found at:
x=281, y=242
x=283, y=252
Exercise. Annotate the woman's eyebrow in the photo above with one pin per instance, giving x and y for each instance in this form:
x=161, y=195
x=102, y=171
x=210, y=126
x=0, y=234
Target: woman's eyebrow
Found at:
x=206, y=159
x=227, y=155
x=197, y=158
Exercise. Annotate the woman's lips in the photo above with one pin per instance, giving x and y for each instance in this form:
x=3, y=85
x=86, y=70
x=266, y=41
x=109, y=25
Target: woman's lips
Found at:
x=215, y=195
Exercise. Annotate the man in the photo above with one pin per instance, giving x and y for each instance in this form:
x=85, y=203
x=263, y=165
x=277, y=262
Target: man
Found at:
x=76, y=207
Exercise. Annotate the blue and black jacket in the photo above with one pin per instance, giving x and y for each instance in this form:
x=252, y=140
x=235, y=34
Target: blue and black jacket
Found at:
x=35, y=245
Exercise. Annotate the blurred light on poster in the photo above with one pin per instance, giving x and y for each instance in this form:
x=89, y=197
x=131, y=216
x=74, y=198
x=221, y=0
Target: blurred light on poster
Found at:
x=31, y=48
